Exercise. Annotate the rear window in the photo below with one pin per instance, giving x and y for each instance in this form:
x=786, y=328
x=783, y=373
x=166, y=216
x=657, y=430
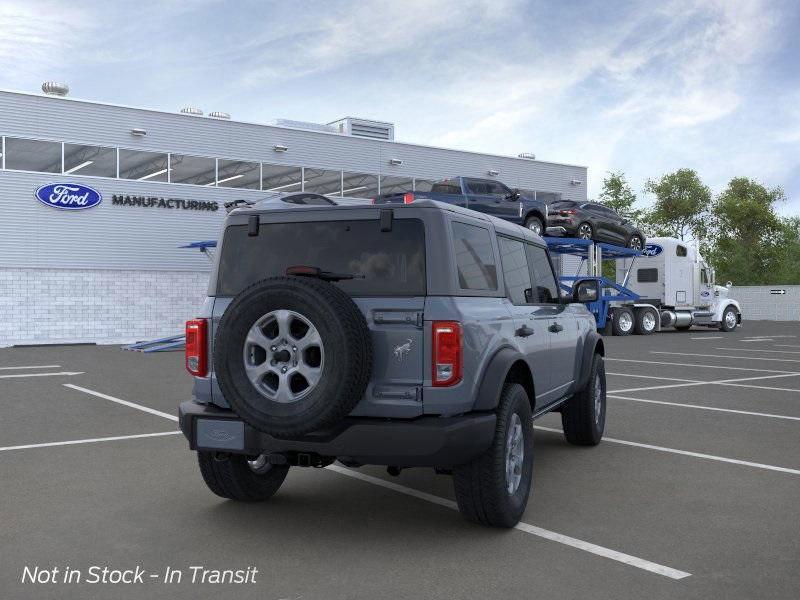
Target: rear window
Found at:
x=392, y=263
x=446, y=187
x=563, y=204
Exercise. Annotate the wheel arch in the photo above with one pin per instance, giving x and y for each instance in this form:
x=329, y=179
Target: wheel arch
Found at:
x=535, y=212
x=593, y=344
x=506, y=366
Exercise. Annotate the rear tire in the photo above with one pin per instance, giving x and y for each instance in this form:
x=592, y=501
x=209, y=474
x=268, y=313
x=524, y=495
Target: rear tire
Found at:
x=622, y=322
x=635, y=242
x=583, y=417
x=645, y=321
x=233, y=476
x=585, y=232
x=487, y=489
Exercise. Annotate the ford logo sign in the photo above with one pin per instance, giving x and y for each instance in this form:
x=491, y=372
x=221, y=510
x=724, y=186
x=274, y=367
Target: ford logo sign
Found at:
x=652, y=250
x=68, y=196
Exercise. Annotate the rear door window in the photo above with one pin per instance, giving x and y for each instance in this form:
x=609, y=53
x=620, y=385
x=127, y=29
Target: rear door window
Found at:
x=545, y=288
x=388, y=263
x=474, y=257
x=446, y=187
x=515, y=269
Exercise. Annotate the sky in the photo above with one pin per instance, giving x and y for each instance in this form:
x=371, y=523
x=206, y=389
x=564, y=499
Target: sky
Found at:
x=639, y=87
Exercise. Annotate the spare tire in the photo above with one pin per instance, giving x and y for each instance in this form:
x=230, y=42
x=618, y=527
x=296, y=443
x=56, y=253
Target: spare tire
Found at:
x=292, y=355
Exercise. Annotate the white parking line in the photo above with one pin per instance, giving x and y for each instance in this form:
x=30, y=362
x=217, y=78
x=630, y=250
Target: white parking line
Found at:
x=532, y=529
x=674, y=364
x=787, y=346
x=759, y=350
x=708, y=337
x=727, y=356
x=20, y=375
x=90, y=440
x=146, y=409
x=664, y=378
x=733, y=461
x=733, y=382
x=31, y=367
x=756, y=340
x=701, y=407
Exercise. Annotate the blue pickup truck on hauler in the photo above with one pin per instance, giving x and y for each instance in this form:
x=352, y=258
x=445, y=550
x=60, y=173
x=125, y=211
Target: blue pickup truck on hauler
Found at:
x=483, y=195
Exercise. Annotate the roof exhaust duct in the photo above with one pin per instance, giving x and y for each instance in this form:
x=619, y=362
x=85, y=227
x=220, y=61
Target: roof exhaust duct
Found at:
x=219, y=115
x=192, y=110
x=54, y=88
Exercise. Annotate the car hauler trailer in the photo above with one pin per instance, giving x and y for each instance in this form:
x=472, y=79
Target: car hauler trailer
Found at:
x=665, y=285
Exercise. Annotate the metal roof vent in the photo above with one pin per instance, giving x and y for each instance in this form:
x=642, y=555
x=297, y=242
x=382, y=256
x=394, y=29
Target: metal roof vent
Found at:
x=376, y=130
x=219, y=115
x=527, y=155
x=302, y=125
x=192, y=110
x=53, y=88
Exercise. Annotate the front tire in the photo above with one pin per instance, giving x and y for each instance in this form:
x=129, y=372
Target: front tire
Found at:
x=585, y=232
x=535, y=225
x=493, y=489
x=729, y=320
x=235, y=477
x=635, y=242
x=583, y=417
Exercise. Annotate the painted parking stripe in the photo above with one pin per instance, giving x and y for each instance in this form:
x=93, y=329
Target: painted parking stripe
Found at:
x=708, y=337
x=733, y=461
x=701, y=407
x=21, y=375
x=794, y=360
x=146, y=409
x=664, y=378
x=532, y=529
x=699, y=366
x=89, y=440
x=30, y=367
x=759, y=350
x=787, y=346
x=733, y=382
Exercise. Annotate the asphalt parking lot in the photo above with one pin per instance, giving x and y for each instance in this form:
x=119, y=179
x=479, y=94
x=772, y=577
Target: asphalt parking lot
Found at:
x=693, y=493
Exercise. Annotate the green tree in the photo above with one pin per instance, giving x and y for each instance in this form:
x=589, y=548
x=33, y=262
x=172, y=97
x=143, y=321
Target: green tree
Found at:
x=618, y=195
x=681, y=205
x=751, y=244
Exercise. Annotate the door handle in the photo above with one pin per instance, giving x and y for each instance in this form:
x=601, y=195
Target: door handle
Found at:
x=555, y=328
x=523, y=331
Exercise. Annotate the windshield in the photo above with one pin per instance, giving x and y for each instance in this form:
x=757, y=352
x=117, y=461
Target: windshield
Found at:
x=392, y=263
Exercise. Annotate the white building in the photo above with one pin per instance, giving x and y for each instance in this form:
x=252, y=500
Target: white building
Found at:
x=114, y=272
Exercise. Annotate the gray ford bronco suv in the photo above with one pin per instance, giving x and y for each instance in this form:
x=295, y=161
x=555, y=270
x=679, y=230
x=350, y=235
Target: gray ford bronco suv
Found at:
x=422, y=335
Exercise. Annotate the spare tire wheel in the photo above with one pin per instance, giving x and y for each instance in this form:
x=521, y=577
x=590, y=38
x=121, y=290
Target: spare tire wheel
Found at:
x=292, y=355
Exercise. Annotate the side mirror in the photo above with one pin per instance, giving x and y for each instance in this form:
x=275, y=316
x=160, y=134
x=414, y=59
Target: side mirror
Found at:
x=586, y=290
x=729, y=284
x=513, y=196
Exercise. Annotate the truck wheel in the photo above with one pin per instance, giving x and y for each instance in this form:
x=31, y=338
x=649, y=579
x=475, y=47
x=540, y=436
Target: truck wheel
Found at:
x=622, y=321
x=635, y=242
x=583, y=417
x=535, y=225
x=493, y=489
x=236, y=477
x=585, y=231
x=292, y=355
x=645, y=321
x=729, y=319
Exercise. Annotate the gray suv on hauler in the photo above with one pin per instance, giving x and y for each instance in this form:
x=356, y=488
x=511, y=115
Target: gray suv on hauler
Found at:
x=421, y=335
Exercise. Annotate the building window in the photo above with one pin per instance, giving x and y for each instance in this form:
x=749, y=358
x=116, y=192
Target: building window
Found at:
x=324, y=182
x=196, y=170
x=474, y=257
x=279, y=178
x=396, y=185
x=33, y=155
x=143, y=166
x=90, y=160
x=238, y=174
x=359, y=185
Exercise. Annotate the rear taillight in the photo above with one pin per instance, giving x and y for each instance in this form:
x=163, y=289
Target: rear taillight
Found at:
x=196, y=347
x=571, y=211
x=372, y=201
x=447, y=353
x=408, y=198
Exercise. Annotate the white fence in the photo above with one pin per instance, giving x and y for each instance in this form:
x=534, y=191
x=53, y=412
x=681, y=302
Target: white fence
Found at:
x=768, y=302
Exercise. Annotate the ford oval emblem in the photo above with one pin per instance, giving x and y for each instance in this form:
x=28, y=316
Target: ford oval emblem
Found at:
x=652, y=250
x=68, y=196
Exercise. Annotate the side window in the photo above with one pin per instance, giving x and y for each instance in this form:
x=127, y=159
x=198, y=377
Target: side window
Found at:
x=474, y=257
x=443, y=187
x=475, y=186
x=545, y=289
x=515, y=270
x=703, y=276
x=680, y=251
x=647, y=275
x=497, y=189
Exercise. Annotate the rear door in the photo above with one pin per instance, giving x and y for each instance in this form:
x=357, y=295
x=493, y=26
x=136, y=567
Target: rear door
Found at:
x=561, y=325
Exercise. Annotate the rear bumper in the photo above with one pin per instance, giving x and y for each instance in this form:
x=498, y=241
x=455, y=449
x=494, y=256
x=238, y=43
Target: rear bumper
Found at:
x=570, y=225
x=422, y=442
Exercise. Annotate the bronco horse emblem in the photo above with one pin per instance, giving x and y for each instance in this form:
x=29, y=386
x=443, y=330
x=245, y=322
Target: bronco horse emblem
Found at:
x=402, y=350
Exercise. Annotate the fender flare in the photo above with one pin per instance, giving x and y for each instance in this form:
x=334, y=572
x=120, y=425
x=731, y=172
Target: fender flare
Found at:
x=729, y=302
x=493, y=377
x=593, y=344
x=534, y=211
